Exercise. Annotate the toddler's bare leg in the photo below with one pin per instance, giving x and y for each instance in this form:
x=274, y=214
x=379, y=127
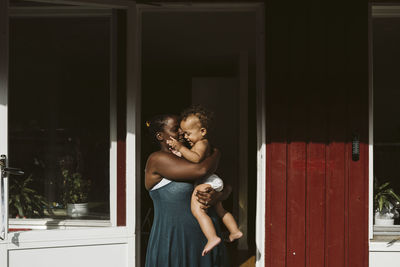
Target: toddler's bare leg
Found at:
x=229, y=221
x=205, y=222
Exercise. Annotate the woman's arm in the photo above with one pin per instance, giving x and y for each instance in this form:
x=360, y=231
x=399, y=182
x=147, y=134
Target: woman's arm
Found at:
x=174, y=168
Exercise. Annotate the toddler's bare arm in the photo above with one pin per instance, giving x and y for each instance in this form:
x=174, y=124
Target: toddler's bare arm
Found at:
x=197, y=153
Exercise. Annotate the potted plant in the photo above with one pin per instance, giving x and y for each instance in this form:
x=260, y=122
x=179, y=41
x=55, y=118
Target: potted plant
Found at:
x=24, y=201
x=76, y=188
x=386, y=201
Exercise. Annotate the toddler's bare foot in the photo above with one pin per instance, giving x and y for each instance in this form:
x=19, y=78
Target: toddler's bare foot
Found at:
x=210, y=245
x=234, y=236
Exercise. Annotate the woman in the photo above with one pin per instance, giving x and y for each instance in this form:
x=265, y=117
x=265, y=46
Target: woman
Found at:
x=176, y=239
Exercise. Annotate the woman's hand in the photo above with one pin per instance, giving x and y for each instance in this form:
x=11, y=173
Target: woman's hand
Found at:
x=175, y=152
x=209, y=196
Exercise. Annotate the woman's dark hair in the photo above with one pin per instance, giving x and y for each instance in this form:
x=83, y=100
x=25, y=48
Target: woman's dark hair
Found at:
x=205, y=116
x=157, y=124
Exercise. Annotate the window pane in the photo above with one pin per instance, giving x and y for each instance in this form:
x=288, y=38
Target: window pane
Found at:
x=386, y=56
x=59, y=117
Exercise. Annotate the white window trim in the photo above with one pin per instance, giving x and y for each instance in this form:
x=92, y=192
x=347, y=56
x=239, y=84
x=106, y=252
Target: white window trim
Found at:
x=4, y=48
x=44, y=224
x=261, y=140
x=258, y=9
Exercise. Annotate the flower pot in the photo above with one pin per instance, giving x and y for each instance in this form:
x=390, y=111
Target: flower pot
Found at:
x=77, y=210
x=383, y=220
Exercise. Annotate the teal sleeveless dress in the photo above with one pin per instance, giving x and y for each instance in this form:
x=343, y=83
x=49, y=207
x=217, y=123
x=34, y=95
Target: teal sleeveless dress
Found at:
x=176, y=239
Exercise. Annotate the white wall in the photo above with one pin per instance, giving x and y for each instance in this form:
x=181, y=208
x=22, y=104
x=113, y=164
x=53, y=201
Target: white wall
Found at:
x=383, y=255
x=384, y=259
x=79, y=256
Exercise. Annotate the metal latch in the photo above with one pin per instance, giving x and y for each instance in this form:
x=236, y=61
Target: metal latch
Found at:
x=5, y=172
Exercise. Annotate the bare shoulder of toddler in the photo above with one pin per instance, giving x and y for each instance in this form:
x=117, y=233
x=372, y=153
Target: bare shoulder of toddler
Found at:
x=203, y=145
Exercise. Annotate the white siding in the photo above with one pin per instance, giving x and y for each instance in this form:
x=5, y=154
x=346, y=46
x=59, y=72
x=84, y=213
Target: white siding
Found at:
x=81, y=256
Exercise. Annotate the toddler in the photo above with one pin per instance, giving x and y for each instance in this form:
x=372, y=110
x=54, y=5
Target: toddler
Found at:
x=194, y=124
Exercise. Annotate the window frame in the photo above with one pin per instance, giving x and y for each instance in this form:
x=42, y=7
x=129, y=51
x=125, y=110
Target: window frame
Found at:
x=92, y=228
x=382, y=233
x=75, y=12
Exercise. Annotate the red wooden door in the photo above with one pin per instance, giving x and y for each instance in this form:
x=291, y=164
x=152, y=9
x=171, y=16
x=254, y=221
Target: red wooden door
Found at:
x=317, y=98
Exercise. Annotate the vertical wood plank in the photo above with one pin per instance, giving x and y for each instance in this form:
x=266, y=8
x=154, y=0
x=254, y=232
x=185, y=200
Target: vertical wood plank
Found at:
x=335, y=221
x=315, y=245
x=296, y=198
x=296, y=159
x=317, y=130
x=277, y=239
x=268, y=186
x=121, y=119
x=277, y=65
x=335, y=176
x=357, y=81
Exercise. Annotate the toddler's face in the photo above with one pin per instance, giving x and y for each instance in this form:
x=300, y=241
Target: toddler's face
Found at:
x=193, y=132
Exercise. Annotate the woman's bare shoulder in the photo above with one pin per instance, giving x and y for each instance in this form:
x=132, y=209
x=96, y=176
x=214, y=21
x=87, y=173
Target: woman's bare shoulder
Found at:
x=152, y=177
x=157, y=157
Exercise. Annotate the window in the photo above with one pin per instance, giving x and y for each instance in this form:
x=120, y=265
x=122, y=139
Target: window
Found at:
x=62, y=115
x=386, y=120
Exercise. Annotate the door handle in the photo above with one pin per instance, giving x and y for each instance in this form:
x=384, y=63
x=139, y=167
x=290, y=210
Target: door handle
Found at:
x=3, y=162
x=5, y=172
x=13, y=171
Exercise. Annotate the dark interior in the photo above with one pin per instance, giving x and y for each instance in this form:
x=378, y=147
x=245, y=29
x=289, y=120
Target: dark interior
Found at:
x=179, y=46
x=59, y=105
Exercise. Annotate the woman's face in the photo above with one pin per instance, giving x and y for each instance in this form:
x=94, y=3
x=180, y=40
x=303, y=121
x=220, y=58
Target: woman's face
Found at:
x=171, y=128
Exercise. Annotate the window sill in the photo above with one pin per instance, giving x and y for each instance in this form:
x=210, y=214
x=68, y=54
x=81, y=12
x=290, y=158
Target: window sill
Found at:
x=392, y=230
x=48, y=224
x=377, y=245
x=386, y=238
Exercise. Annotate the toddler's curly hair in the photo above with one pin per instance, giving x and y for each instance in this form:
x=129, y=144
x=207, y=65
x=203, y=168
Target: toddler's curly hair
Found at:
x=205, y=116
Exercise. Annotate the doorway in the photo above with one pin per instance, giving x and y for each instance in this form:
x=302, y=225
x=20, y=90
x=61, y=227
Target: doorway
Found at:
x=208, y=55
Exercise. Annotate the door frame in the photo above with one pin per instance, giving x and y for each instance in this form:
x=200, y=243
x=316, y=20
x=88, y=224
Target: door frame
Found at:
x=84, y=236
x=259, y=11
x=4, y=28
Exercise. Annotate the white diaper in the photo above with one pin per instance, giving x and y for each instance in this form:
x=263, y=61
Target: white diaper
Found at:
x=216, y=183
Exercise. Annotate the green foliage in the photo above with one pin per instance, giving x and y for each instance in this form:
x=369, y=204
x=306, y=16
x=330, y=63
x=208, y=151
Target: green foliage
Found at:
x=385, y=198
x=76, y=189
x=75, y=186
x=24, y=201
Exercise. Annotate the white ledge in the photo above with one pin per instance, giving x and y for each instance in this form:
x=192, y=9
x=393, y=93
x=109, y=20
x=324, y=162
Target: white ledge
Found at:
x=55, y=223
